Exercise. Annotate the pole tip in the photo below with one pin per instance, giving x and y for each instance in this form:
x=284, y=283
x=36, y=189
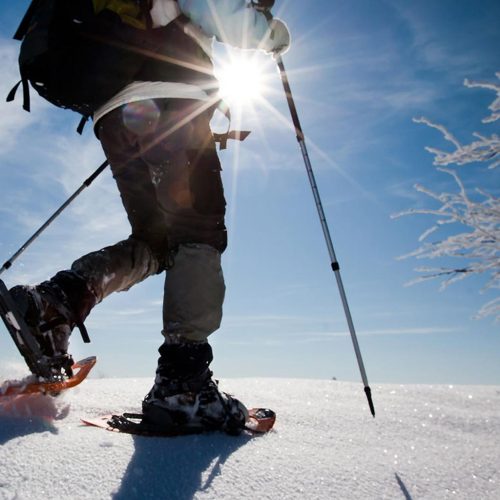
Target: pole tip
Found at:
x=368, y=393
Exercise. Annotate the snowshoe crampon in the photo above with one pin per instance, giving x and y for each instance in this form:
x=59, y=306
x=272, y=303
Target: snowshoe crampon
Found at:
x=54, y=386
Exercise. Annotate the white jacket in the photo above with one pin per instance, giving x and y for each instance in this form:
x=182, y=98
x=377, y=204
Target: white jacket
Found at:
x=234, y=22
x=230, y=21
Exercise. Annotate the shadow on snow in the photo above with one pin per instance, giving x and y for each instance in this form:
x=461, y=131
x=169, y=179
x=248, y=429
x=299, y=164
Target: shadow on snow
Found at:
x=403, y=487
x=176, y=468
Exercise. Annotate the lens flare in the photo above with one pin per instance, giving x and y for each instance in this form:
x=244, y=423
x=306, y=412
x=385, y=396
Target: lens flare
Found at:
x=241, y=81
x=141, y=117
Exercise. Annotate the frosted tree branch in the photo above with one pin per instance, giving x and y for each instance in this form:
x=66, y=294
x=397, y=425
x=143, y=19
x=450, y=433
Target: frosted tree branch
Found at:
x=495, y=105
x=484, y=149
x=476, y=243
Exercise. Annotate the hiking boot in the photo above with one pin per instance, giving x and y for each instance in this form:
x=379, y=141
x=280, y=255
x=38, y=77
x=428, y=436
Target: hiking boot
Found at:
x=47, y=314
x=170, y=411
x=184, y=398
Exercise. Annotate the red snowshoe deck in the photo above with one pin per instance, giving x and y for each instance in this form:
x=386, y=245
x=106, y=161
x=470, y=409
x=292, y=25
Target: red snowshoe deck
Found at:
x=260, y=421
x=31, y=385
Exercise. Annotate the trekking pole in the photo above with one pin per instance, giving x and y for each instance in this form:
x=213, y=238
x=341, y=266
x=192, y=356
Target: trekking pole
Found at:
x=334, y=263
x=85, y=184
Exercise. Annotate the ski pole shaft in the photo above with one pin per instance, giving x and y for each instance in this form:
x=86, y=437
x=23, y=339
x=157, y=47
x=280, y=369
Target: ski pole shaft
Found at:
x=49, y=221
x=326, y=232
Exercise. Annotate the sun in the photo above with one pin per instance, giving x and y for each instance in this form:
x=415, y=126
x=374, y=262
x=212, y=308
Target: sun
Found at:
x=241, y=80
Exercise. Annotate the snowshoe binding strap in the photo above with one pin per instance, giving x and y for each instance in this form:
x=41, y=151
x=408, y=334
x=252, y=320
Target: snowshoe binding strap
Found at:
x=45, y=327
x=134, y=423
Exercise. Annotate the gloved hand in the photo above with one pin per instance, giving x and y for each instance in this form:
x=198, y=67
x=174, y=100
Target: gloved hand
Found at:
x=277, y=40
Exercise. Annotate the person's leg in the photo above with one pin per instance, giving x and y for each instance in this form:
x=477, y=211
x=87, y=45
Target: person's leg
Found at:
x=189, y=191
x=53, y=308
x=194, y=293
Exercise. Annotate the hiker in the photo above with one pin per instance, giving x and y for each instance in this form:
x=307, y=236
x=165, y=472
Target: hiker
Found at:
x=156, y=136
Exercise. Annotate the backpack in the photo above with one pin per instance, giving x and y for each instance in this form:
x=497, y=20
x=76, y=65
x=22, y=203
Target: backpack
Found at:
x=77, y=54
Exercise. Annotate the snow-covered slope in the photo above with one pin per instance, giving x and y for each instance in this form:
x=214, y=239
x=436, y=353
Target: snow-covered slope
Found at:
x=429, y=442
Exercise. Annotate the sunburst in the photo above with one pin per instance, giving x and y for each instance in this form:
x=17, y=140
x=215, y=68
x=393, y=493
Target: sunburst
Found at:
x=242, y=79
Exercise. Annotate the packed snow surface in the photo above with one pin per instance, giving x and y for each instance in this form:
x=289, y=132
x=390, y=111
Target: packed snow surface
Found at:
x=426, y=442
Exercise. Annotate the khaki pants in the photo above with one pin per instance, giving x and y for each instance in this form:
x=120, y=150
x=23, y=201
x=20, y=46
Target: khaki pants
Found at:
x=165, y=164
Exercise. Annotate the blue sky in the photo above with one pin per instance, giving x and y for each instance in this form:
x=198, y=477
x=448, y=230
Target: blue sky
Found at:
x=360, y=71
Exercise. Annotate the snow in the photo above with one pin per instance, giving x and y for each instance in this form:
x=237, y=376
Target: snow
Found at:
x=426, y=442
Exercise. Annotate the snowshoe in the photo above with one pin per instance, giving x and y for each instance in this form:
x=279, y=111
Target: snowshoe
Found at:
x=194, y=411
x=259, y=421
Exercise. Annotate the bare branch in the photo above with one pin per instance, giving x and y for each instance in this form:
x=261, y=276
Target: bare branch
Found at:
x=477, y=246
x=484, y=149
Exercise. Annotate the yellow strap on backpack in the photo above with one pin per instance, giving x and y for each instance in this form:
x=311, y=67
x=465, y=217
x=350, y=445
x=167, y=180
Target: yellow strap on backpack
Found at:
x=128, y=10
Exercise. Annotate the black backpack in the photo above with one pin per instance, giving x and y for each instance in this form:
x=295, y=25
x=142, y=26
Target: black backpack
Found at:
x=76, y=58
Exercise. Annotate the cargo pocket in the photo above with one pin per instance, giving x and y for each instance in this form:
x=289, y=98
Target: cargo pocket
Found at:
x=205, y=182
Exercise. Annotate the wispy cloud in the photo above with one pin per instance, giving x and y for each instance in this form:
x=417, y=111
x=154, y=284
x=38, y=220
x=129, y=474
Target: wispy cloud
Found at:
x=32, y=190
x=41, y=168
x=433, y=48
x=311, y=337
x=13, y=119
x=111, y=318
x=283, y=329
x=430, y=330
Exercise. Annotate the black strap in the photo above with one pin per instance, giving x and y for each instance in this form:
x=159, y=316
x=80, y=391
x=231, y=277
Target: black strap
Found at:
x=26, y=93
x=12, y=94
x=82, y=123
x=66, y=315
x=236, y=135
x=49, y=325
x=83, y=332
